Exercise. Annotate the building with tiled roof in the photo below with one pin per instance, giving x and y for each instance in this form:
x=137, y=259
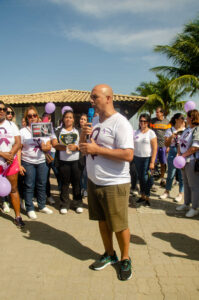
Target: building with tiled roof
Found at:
x=78, y=100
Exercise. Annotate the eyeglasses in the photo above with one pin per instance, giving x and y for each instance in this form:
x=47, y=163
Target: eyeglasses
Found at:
x=93, y=97
x=3, y=109
x=142, y=121
x=10, y=113
x=32, y=116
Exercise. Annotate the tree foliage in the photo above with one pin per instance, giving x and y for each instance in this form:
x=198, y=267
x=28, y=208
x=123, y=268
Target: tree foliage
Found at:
x=184, y=54
x=159, y=93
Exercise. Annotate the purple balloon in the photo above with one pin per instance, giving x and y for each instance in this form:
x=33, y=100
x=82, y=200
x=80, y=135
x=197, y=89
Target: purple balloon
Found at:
x=179, y=162
x=49, y=107
x=5, y=186
x=65, y=108
x=189, y=105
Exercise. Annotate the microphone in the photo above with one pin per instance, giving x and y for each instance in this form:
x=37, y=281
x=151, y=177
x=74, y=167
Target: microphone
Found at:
x=91, y=113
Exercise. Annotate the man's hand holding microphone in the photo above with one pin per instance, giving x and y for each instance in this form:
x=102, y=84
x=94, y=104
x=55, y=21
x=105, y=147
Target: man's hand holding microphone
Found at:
x=85, y=147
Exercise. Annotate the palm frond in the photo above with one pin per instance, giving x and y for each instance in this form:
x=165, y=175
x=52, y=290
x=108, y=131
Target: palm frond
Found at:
x=188, y=82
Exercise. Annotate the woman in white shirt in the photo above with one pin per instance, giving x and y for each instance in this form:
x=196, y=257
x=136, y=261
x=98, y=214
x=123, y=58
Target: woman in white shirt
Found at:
x=172, y=136
x=33, y=165
x=145, y=149
x=9, y=167
x=189, y=149
x=67, y=144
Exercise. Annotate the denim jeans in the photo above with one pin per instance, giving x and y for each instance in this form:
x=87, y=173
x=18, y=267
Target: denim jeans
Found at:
x=142, y=167
x=35, y=177
x=56, y=173
x=83, y=180
x=172, y=171
x=134, y=175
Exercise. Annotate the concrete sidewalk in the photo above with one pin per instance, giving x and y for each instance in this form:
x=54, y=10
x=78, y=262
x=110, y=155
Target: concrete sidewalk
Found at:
x=50, y=258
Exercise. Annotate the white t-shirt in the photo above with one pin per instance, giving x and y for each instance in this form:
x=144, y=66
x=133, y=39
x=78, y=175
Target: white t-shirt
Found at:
x=175, y=140
x=142, y=143
x=8, y=131
x=187, y=140
x=114, y=133
x=75, y=154
x=31, y=151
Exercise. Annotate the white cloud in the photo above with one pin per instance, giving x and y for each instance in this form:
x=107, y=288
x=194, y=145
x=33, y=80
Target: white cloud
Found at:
x=113, y=39
x=101, y=8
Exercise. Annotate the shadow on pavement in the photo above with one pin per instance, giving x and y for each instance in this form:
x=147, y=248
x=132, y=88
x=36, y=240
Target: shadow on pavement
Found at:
x=59, y=239
x=135, y=239
x=180, y=242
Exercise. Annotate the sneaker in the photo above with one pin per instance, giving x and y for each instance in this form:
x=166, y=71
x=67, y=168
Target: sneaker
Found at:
x=163, y=183
x=164, y=196
x=79, y=210
x=135, y=193
x=63, y=211
x=19, y=222
x=191, y=213
x=104, y=261
x=140, y=200
x=32, y=215
x=125, y=272
x=147, y=203
x=154, y=189
x=6, y=208
x=182, y=207
x=46, y=210
x=50, y=200
x=178, y=198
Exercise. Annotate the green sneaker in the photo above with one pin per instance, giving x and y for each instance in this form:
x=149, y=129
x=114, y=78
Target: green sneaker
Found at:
x=104, y=261
x=125, y=272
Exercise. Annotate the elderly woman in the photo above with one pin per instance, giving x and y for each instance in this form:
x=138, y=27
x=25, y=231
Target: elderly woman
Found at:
x=9, y=145
x=145, y=150
x=33, y=165
x=189, y=149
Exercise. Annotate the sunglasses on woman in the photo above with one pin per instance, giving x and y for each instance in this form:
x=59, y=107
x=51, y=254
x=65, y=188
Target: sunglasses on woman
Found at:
x=3, y=109
x=10, y=113
x=32, y=116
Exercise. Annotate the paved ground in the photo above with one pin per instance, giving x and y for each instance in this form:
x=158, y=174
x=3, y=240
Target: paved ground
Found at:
x=50, y=259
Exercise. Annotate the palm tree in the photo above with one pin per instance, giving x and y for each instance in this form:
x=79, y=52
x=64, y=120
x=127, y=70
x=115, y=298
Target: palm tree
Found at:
x=160, y=94
x=184, y=53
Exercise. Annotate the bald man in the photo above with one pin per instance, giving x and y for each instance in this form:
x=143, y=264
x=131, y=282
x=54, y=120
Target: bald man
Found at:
x=109, y=151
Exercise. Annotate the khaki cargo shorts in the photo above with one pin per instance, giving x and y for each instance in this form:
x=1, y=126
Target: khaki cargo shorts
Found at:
x=110, y=204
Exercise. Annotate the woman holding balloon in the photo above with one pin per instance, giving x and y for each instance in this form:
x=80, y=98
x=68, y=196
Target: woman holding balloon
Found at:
x=33, y=165
x=9, y=167
x=189, y=150
x=172, y=136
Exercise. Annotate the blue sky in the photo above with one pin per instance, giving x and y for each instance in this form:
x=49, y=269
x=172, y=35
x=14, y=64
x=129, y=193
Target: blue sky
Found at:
x=51, y=45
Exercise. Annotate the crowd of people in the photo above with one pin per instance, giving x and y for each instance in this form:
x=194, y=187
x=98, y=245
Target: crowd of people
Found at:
x=160, y=141
x=27, y=161
x=96, y=157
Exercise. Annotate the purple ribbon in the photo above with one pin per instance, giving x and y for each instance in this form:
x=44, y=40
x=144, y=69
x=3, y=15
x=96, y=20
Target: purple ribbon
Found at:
x=183, y=145
x=4, y=140
x=38, y=146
